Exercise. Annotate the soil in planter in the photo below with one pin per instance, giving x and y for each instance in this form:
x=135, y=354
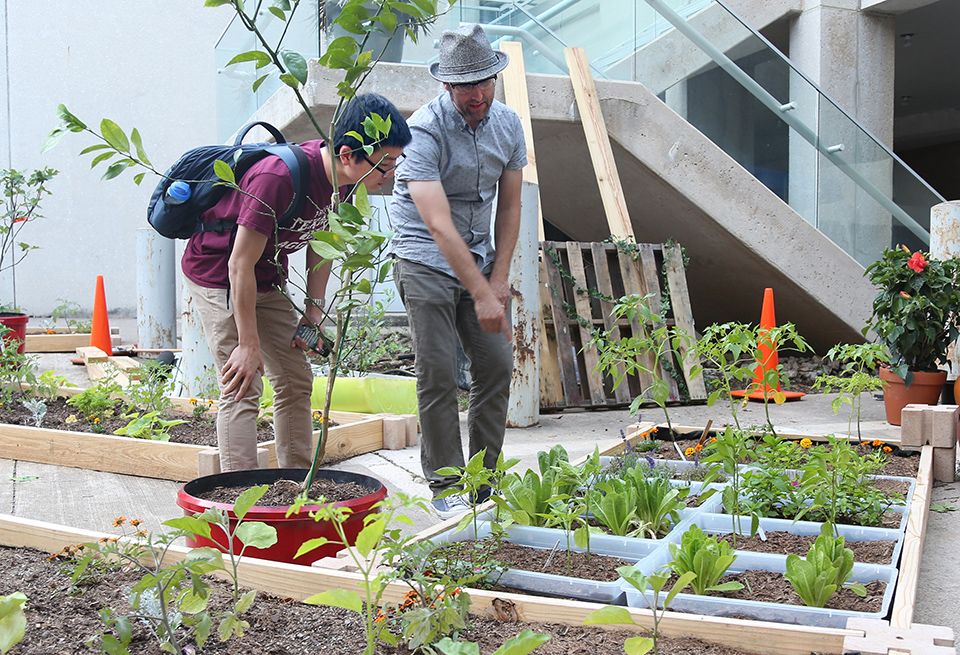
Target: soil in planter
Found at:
x=903, y=463
x=893, y=488
x=602, y=568
x=773, y=587
x=198, y=431
x=785, y=543
x=59, y=621
x=284, y=492
x=594, y=523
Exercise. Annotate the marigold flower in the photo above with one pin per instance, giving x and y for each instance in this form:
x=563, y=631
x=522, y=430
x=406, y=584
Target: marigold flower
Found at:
x=905, y=295
x=70, y=419
x=698, y=448
x=688, y=452
x=876, y=443
x=713, y=440
x=917, y=263
x=120, y=520
x=135, y=522
x=887, y=449
x=96, y=420
x=193, y=401
x=210, y=403
x=805, y=443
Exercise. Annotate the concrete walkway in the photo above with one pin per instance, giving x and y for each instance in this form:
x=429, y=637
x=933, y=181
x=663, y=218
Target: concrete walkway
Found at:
x=91, y=500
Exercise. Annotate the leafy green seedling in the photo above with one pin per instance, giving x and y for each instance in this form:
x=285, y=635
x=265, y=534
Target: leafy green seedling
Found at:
x=524, y=643
x=826, y=569
x=942, y=508
x=13, y=621
x=708, y=558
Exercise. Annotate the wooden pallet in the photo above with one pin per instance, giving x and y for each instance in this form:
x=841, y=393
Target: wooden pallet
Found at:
x=568, y=375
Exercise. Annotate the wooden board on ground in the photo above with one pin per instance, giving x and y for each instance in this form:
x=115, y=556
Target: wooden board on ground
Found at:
x=580, y=282
x=298, y=582
x=159, y=459
x=63, y=342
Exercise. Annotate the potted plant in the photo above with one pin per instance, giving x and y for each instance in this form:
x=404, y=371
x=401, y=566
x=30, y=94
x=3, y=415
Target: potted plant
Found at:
x=353, y=245
x=22, y=193
x=914, y=316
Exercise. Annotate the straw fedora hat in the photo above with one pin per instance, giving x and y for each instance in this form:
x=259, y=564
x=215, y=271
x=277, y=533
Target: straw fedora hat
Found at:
x=466, y=56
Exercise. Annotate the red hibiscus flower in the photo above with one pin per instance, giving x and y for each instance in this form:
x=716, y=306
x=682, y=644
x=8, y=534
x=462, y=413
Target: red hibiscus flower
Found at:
x=917, y=263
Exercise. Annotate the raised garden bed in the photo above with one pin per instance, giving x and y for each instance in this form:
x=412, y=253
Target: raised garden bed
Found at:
x=354, y=434
x=496, y=614
x=61, y=339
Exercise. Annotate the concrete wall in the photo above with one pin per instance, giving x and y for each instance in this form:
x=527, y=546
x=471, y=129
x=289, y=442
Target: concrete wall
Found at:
x=148, y=65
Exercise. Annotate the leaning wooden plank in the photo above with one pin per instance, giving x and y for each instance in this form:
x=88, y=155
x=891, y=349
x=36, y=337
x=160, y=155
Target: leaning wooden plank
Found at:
x=683, y=318
x=515, y=96
x=598, y=143
x=114, y=331
x=299, y=582
x=905, y=597
x=100, y=452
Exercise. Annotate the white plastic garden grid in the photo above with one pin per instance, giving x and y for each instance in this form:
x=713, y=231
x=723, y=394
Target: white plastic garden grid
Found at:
x=896, y=636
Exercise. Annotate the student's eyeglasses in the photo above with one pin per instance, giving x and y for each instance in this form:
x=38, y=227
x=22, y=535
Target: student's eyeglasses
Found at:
x=467, y=87
x=383, y=171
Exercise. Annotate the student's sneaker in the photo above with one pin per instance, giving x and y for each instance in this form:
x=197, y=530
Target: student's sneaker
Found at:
x=450, y=506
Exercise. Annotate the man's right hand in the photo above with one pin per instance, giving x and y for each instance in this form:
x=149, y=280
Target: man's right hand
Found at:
x=244, y=365
x=491, y=314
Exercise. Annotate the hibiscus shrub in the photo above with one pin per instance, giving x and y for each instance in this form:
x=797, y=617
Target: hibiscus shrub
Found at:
x=914, y=309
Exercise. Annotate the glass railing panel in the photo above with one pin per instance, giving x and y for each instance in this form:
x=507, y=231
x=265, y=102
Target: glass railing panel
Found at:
x=236, y=102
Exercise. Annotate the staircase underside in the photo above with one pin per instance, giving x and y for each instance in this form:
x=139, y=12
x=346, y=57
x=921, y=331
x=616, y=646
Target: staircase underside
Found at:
x=740, y=237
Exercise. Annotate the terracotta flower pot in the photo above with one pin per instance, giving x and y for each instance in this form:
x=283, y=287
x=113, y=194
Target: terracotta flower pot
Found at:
x=292, y=531
x=924, y=389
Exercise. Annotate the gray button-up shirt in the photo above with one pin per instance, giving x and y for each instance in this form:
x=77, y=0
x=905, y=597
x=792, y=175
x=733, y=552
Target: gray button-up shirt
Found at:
x=469, y=163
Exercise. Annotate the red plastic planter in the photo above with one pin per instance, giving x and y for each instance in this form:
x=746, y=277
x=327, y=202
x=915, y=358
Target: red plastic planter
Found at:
x=18, y=328
x=291, y=531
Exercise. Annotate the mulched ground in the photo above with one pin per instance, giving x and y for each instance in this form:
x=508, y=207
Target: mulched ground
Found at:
x=198, y=431
x=60, y=620
x=284, y=492
x=785, y=543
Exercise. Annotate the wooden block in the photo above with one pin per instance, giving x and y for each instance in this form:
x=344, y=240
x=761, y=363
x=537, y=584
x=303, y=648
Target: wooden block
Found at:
x=915, y=425
x=394, y=432
x=413, y=430
x=945, y=464
x=880, y=638
x=263, y=458
x=91, y=354
x=943, y=432
x=208, y=462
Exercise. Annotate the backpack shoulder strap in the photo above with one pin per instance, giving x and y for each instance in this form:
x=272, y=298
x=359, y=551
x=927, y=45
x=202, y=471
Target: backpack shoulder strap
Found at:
x=293, y=156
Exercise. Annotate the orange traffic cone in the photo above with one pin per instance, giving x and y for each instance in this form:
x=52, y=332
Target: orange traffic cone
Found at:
x=100, y=334
x=769, y=360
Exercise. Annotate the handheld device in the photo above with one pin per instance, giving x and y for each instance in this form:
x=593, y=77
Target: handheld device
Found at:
x=315, y=339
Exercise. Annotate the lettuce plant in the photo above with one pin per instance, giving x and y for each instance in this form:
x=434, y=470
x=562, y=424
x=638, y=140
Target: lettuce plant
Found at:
x=707, y=558
x=826, y=568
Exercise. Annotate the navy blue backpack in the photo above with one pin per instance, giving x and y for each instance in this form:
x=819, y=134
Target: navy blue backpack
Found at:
x=182, y=220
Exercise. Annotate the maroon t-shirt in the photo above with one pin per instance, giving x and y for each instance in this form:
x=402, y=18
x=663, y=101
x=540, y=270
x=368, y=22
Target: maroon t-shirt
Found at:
x=267, y=181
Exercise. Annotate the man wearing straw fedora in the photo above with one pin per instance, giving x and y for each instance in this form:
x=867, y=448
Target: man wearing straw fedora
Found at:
x=467, y=149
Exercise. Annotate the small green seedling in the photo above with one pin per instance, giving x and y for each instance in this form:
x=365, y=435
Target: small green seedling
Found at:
x=13, y=621
x=826, y=569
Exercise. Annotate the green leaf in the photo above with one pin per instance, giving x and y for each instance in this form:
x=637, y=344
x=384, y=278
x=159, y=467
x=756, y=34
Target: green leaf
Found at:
x=256, y=534
x=942, y=508
x=260, y=80
x=191, y=603
x=348, y=600
x=637, y=645
x=290, y=80
x=448, y=646
x=13, y=621
x=138, y=145
x=114, y=135
x=278, y=12
x=296, y=65
x=215, y=3
x=138, y=178
x=261, y=58
x=190, y=524
x=202, y=629
x=525, y=642
x=325, y=250
x=609, y=615
x=223, y=171
x=204, y=560
x=248, y=499
x=245, y=602
x=102, y=157
x=370, y=536
x=70, y=121
x=311, y=544
x=93, y=148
